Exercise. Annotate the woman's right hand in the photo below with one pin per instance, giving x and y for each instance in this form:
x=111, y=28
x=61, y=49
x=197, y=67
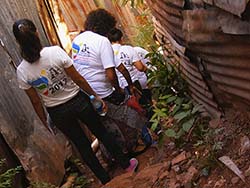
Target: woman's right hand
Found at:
x=132, y=89
x=121, y=91
x=104, y=106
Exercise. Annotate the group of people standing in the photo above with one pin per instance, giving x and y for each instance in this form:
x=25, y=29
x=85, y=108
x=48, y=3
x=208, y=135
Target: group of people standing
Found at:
x=62, y=85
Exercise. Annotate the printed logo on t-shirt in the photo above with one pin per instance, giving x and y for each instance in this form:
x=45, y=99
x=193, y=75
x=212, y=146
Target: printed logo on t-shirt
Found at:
x=75, y=48
x=41, y=83
x=57, y=78
x=124, y=57
x=81, y=49
x=51, y=81
x=116, y=52
x=81, y=53
x=85, y=50
x=141, y=55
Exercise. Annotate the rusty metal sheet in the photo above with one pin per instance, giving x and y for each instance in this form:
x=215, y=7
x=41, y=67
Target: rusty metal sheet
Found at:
x=236, y=7
x=197, y=86
x=226, y=56
x=67, y=18
x=19, y=125
x=217, y=21
x=169, y=14
x=219, y=41
x=74, y=13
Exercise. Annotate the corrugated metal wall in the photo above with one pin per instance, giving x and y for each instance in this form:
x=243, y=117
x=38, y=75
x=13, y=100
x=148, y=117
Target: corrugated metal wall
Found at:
x=63, y=19
x=40, y=153
x=10, y=162
x=68, y=17
x=209, y=38
x=214, y=45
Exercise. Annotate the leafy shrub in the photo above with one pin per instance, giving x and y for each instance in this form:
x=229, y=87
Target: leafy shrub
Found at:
x=6, y=177
x=41, y=185
x=133, y=3
x=174, y=109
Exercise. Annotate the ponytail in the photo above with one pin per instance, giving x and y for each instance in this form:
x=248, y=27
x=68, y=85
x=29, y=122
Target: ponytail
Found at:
x=25, y=33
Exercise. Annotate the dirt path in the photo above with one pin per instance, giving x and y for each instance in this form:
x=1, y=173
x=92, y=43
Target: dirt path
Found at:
x=190, y=166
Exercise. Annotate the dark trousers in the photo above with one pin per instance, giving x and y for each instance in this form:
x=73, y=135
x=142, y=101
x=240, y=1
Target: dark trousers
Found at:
x=66, y=116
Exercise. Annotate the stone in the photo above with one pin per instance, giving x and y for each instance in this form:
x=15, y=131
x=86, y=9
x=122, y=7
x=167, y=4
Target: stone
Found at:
x=190, y=174
x=214, y=123
x=235, y=180
x=179, y=158
x=125, y=180
x=244, y=145
x=176, y=168
x=220, y=183
x=163, y=175
x=247, y=172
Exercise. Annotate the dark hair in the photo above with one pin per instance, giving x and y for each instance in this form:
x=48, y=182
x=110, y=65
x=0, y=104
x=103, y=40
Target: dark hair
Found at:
x=115, y=35
x=100, y=21
x=24, y=31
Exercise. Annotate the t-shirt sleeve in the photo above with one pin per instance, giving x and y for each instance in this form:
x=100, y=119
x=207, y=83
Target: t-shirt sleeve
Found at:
x=135, y=56
x=63, y=57
x=22, y=82
x=107, y=54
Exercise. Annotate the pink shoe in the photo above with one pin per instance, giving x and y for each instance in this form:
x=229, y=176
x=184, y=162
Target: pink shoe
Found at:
x=133, y=165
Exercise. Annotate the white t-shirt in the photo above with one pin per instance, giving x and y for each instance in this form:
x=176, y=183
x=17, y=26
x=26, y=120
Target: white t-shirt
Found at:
x=142, y=54
x=142, y=77
x=48, y=77
x=92, y=54
x=127, y=55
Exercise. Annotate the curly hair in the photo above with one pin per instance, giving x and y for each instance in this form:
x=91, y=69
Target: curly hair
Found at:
x=100, y=21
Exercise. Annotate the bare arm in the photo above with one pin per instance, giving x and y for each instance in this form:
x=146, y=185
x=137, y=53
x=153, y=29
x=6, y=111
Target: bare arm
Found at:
x=37, y=105
x=82, y=83
x=79, y=80
x=112, y=77
x=140, y=66
x=122, y=69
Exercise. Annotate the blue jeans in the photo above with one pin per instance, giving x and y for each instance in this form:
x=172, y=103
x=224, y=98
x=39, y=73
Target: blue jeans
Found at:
x=66, y=116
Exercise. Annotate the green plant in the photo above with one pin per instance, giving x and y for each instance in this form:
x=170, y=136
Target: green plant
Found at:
x=69, y=172
x=81, y=182
x=73, y=170
x=133, y=3
x=41, y=185
x=144, y=31
x=207, y=146
x=165, y=76
x=6, y=177
x=178, y=115
x=174, y=109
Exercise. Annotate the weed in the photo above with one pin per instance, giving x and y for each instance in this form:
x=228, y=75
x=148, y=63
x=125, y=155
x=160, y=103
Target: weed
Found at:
x=41, y=185
x=6, y=177
x=174, y=109
x=133, y=3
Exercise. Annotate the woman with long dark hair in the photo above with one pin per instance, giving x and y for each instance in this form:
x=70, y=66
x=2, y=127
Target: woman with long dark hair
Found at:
x=49, y=78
